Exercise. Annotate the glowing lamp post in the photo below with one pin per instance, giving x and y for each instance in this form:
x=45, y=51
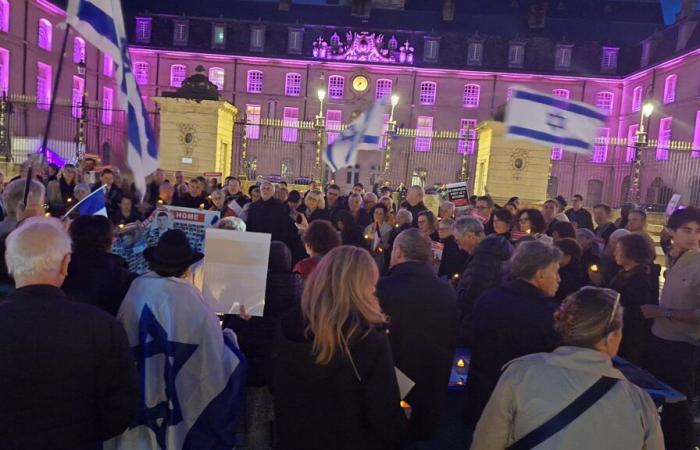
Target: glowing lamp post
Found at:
x=320, y=125
x=391, y=129
x=639, y=145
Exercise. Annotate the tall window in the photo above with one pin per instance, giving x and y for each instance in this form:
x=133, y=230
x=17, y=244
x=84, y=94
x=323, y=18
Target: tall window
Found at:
x=475, y=53
x=143, y=30
x=428, y=92
x=255, y=81
x=557, y=153
x=43, y=85
x=180, y=32
x=290, y=124
x=5, y=16
x=424, y=134
x=562, y=93
x=637, y=98
x=45, y=34
x=107, y=65
x=336, y=86
x=77, y=95
x=563, y=57
x=664, y=141
x=471, y=96
x=600, y=148
x=631, y=142
x=670, y=89
x=383, y=89
x=334, y=119
x=78, y=50
x=216, y=76
x=178, y=73
x=431, y=50
x=292, y=85
x=516, y=55
x=609, y=60
x=295, y=38
x=218, y=38
x=252, y=115
x=141, y=72
x=107, y=104
x=696, y=137
x=467, y=136
x=604, y=101
x=257, y=38
x=4, y=70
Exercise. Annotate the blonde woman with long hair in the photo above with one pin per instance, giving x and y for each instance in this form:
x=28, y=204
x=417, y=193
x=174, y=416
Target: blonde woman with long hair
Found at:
x=333, y=381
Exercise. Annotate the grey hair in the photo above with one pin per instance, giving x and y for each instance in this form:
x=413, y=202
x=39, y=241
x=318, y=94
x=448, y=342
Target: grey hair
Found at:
x=532, y=256
x=447, y=204
x=617, y=234
x=38, y=246
x=218, y=193
x=414, y=245
x=585, y=233
x=232, y=223
x=418, y=189
x=81, y=187
x=355, y=195
x=404, y=215
x=468, y=224
x=14, y=194
x=448, y=222
x=372, y=196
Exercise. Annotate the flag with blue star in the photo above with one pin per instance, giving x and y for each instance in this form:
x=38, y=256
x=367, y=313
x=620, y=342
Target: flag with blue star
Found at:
x=553, y=121
x=192, y=373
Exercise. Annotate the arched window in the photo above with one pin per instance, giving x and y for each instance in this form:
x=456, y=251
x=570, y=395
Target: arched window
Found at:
x=5, y=16
x=216, y=76
x=78, y=50
x=383, y=89
x=4, y=70
x=292, y=85
x=562, y=93
x=471, y=96
x=670, y=89
x=604, y=101
x=178, y=73
x=600, y=148
x=141, y=71
x=336, y=86
x=428, y=92
x=255, y=81
x=45, y=35
x=637, y=98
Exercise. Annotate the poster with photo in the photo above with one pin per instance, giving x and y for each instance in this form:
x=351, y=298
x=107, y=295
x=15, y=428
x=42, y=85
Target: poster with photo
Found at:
x=193, y=222
x=129, y=243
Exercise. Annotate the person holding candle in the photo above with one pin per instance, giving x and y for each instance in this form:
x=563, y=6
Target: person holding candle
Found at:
x=531, y=223
x=377, y=234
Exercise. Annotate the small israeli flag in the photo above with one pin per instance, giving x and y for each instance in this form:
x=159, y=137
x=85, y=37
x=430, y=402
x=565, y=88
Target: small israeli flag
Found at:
x=92, y=205
x=553, y=121
x=364, y=133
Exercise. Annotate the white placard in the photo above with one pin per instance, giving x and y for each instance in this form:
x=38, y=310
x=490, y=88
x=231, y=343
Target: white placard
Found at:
x=235, y=270
x=405, y=383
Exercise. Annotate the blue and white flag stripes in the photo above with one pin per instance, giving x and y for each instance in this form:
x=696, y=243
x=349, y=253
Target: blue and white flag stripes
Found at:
x=363, y=133
x=101, y=22
x=192, y=375
x=553, y=121
x=91, y=205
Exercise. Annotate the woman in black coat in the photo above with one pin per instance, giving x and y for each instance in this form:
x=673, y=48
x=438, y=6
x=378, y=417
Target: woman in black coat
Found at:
x=350, y=232
x=333, y=381
x=571, y=273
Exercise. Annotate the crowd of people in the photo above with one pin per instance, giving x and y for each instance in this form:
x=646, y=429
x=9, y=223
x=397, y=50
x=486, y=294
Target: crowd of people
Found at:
x=360, y=287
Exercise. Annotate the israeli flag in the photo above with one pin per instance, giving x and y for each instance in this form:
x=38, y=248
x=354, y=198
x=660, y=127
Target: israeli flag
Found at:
x=192, y=373
x=101, y=22
x=553, y=121
x=92, y=205
x=364, y=133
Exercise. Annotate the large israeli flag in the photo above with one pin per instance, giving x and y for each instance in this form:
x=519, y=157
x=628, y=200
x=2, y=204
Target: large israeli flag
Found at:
x=101, y=22
x=553, y=121
x=192, y=374
x=363, y=133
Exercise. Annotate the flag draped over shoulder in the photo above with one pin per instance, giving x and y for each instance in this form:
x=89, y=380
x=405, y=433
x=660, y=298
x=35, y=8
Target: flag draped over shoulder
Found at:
x=363, y=133
x=192, y=373
x=101, y=22
x=554, y=121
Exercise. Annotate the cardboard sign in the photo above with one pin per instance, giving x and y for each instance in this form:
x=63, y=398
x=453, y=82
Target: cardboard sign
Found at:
x=673, y=204
x=458, y=194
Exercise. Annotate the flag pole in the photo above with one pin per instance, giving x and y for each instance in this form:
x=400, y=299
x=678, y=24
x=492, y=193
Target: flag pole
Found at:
x=52, y=104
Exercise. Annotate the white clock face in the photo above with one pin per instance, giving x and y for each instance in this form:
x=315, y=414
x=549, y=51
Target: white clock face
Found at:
x=360, y=83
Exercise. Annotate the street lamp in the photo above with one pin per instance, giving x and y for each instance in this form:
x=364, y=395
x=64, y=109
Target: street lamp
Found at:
x=321, y=97
x=391, y=129
x=82, y=120
x=320, y=126
x=639, y=145
x=394, y=102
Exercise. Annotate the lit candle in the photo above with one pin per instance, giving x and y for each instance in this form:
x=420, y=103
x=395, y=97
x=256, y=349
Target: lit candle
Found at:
x=594, y=268
x=460, y=363
x=367, y=237
x=160, y=202
x=47, y=214
x=121, y=225
x=528, y=231
x=404, y=404
x=69, y=200
x=455, y=276
x=201, y=206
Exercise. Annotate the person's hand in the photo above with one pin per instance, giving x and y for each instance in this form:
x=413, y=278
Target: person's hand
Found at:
x=596, y=277
x=304, y=223
x=243, y=314
x=651, y=311
x=30, y=209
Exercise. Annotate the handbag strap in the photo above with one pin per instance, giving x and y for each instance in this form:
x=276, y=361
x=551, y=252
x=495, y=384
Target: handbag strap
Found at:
x=557, y=423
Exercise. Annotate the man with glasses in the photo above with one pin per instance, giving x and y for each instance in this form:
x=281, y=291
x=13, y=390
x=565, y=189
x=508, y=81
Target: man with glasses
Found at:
x=334, y=201
x=454, y=260
x=484, y=209
x=414, y=202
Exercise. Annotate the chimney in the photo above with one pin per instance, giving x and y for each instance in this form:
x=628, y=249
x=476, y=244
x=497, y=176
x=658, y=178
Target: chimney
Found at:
x=448, y=10
x=285, y=5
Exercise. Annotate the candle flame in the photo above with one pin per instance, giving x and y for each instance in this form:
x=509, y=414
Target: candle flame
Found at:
x=460, y=363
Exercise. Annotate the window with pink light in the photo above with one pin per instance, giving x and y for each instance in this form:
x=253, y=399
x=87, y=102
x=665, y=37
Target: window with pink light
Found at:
x=5, y=16
x=216, y=76
x=664, y=141
x=43, y=85
x=670, y=89
x=292, y=85
x=600, y=148
x=78, y=50
x=107, y=105
x=428, y=92
x=45, y=35
x=557, y=153
x=252, y=116
x=471, y=96
x=561, y=93
x=77, y=95
x=336, y=86
x=424, y=133
x=696, y=137
x=4, y=71
x=141, y=70
x=107, y=65
x=334, y=121
x=290, y=124
x=178, y=73
x=631, y=142
x=604, y=101
x=254, y=82
x=383, y=89
x=467, y=136
x=637, y=98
